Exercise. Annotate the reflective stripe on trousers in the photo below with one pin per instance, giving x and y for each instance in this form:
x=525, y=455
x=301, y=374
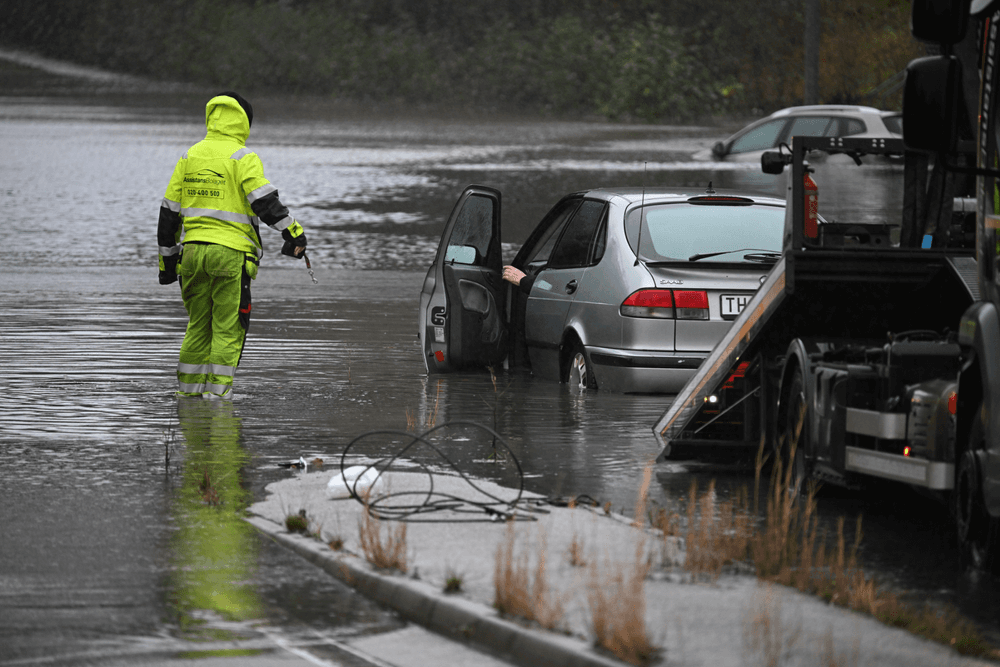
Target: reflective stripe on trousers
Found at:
x=213, y=283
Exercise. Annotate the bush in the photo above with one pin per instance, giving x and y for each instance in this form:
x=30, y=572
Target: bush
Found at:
x=692, y=59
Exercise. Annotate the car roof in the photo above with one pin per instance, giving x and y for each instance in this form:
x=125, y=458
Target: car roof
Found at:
x=660, y=195
x=824, y=108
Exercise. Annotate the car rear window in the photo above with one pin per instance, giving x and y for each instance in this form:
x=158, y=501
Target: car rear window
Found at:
x=851, y=126
x=893, y=123
x=681, y=231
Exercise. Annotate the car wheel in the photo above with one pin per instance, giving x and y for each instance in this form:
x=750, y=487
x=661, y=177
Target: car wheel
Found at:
x=579, y=374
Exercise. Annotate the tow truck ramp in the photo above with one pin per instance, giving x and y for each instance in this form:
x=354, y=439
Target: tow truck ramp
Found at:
x=721, y=362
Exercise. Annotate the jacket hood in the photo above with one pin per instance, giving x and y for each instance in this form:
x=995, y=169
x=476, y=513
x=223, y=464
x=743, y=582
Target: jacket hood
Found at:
x=225, y=116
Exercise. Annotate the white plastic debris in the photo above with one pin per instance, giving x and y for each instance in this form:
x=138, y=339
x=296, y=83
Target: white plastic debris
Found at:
x=360, y=480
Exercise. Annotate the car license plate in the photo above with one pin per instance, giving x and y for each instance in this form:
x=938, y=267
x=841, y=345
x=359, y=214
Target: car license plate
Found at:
x=733, y=304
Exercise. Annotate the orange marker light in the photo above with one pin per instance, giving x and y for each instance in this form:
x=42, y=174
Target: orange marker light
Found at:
x=906, y=451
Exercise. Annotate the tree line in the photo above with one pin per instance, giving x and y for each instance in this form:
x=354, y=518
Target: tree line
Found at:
x=635, y=59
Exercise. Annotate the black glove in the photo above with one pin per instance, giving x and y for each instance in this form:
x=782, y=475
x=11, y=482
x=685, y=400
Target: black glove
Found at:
x=168, y=274
x=291, y=243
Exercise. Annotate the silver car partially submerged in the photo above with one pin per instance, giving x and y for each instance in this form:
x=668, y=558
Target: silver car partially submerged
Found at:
x=632, y=288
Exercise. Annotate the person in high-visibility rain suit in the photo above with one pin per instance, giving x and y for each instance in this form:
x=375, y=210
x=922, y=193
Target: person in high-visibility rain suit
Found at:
x=209, y=239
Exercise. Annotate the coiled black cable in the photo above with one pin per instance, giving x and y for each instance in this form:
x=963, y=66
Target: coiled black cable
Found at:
x=436, y=501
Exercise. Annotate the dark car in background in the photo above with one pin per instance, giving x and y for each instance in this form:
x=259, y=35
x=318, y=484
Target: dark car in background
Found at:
x=632, y=287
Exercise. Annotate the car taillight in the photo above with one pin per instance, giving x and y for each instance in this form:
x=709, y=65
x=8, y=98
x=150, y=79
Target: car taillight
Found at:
x=667, y=304
x=649, y=303
x=691, y=305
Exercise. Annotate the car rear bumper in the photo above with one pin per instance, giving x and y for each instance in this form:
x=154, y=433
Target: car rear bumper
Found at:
x=643, y=371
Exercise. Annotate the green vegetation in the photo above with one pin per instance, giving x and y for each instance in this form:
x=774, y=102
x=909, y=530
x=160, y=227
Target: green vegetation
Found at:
x=643, y=59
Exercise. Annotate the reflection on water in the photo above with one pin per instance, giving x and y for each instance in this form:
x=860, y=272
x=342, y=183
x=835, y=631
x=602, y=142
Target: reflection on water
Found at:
x=213, y=549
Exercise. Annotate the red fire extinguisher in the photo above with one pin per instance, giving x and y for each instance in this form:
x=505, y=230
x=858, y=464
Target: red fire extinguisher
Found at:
x=811, y=200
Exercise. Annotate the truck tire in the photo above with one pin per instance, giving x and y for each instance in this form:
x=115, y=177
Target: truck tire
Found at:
x=793, y=436
x=977, y=531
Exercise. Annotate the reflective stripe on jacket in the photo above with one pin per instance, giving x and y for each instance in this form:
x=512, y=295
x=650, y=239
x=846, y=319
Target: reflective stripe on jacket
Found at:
x=218, y=192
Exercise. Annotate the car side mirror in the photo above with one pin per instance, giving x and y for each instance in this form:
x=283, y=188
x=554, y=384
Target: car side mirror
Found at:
x=719, y=149
x=773, y=162
x=931, y=104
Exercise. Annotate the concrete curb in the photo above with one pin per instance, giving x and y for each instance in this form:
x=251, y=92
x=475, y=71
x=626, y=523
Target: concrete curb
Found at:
x=455, y=617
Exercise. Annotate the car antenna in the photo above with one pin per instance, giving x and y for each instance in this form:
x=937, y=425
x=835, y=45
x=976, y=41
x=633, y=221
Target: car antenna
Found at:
x=710, y=191
x=642, y=210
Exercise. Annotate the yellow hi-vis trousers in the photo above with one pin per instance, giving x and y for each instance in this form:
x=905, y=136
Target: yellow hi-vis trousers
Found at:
x=215, y=287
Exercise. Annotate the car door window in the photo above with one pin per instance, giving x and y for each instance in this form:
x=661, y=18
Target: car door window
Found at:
x=551, y=228
x=760, y=138
x=473, y=232
x=577, y=242
x=600, y=240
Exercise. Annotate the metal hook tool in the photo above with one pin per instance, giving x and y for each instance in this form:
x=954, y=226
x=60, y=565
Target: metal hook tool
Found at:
x=309, y=268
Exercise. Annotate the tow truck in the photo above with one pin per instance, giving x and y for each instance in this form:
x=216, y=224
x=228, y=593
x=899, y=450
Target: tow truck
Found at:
x=879, y=341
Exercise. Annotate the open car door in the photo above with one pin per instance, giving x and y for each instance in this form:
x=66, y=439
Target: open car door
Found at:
x=462, y=322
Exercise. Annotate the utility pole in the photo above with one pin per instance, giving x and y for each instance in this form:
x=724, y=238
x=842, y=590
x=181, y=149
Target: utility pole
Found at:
x=811, y=42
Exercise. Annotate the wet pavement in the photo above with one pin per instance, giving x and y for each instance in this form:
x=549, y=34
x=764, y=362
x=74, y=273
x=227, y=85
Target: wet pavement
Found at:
x=586, y=569
x=107, y=488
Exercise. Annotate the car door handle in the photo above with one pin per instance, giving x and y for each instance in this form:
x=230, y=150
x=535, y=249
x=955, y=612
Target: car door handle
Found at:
x=571, y=287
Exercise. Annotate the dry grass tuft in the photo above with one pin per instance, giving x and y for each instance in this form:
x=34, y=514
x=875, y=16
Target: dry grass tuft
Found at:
x=511, y=579
x=618, y=610
x=829, y=656
x=386, y=552
x=944, y=625
x=718, y=533
x=766, y=640
x=790, y=549
x=517, y=593
x=575, y=552
x=642, y=499
x=668, y=523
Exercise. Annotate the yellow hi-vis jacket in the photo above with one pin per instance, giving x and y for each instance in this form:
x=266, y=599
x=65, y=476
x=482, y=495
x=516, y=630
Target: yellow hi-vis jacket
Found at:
x=218, y=192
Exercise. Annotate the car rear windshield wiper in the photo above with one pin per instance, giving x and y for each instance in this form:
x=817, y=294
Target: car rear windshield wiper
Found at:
x=704, y=255
x=763, y=257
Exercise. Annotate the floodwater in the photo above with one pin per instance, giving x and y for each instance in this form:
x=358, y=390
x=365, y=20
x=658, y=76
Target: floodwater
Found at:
x=121, y=505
